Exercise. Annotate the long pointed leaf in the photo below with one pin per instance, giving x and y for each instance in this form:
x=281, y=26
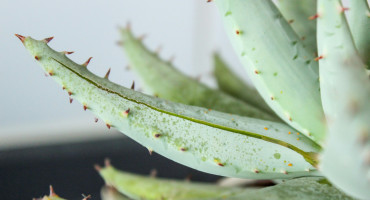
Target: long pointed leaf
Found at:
x=209, y=141
x=169, y=83
x=228, y=82
x=142, y=187
x=283, y=71
x=345, y=91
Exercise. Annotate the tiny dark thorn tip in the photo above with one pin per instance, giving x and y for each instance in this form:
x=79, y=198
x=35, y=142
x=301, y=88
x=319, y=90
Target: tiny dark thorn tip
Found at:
x=87, y=62
x=47, y=40
x=68, y=52
x=21, y=37
x=314, y=16
x=107, y=74
x=319, y=58
x=133, y=85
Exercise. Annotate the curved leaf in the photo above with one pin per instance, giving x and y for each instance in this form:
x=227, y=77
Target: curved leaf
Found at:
x=209, y=141
x=345, y=91
x=282, y=70
x=142, y=187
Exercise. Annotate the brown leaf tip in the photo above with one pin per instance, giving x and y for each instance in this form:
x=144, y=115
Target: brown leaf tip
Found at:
x=107, y=74
x=47, y=40
x=21, y=37
x=87, y=62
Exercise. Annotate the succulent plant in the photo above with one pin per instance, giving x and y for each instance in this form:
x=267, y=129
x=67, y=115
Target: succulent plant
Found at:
x=310, y=115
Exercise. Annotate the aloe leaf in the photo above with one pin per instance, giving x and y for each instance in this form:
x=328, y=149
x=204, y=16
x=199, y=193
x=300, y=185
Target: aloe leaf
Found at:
x=345, y=91
x=111, y=193
x=168, y=83
x=298, y=12
x=143, y=187
x=228, y=82
x=210, y=141
x=283, y=71
x=359, y=23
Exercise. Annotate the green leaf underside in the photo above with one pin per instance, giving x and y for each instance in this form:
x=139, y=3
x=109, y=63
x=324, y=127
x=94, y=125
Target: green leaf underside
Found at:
x=228, y=82
x=298, y=13
x=283, y=71
x=150, y=188
x=209, y=141
x=143, y=187
x=169, y=83
x=345, y=91
x=359, y=22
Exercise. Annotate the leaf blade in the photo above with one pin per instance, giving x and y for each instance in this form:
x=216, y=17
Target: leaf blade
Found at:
x=169, y=83
x=213, y=142
x=267, y=45
x=345, y=89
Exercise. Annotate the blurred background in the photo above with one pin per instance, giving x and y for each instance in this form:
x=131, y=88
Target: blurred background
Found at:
x=45, y=140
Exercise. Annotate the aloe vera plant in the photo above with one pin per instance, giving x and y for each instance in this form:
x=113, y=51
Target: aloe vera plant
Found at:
x=308, y=117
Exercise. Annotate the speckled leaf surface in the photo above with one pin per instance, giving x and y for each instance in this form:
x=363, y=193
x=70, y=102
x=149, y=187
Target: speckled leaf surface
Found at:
x=298, y=13
x=283, y=71
x=209, y=141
